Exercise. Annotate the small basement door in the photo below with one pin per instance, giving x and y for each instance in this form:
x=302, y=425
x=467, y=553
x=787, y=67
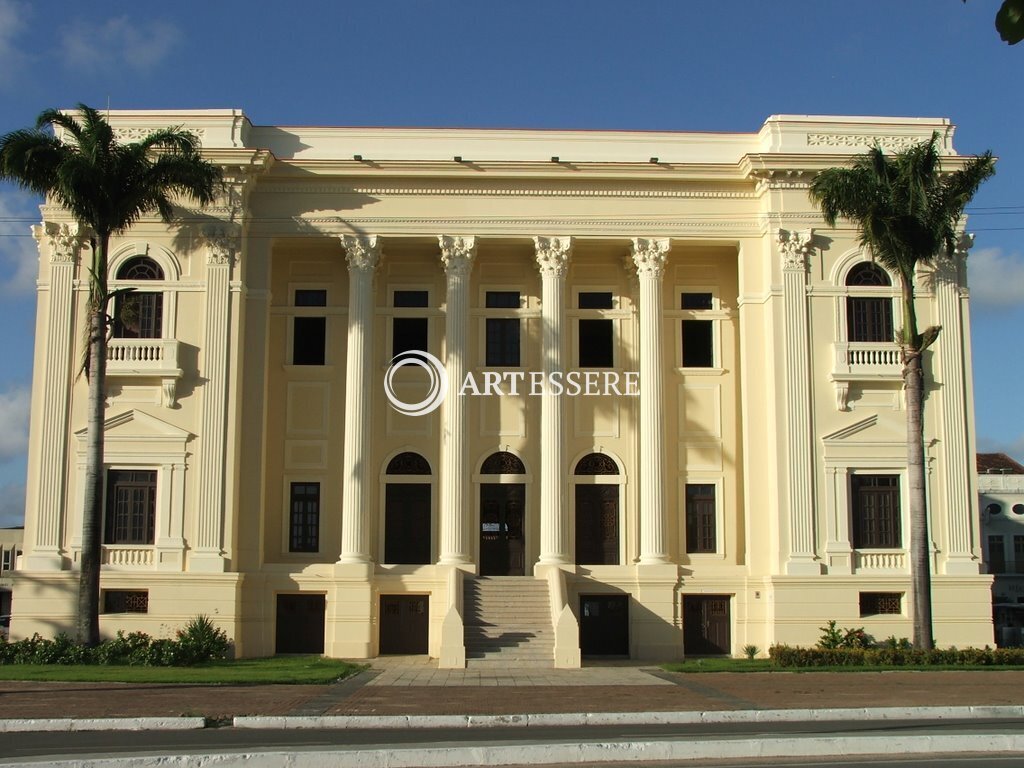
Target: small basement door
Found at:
x=404, y=624
x=706, y=625
x=300, y=623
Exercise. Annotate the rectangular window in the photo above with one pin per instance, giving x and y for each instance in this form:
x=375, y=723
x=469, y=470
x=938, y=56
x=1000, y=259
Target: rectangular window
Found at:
x=131, y=506
x=309, y=334
x=596, y=337
x=698, y=344
x=125, y=601
x=502, y=332
x=304, y=530
x=700, y=518
x=879, y=603
x=1018, y=554
x=409, y=333
x=7, y=560
x=996, y=555
x=138, y=315
x=876, y=511
x=869, y=319
x=696, y=301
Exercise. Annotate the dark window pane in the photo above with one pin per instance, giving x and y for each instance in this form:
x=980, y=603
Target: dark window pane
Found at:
x=502, y=341
x=408, y=463
x=125, y=601
x=869, y=319
x=408, y=334
x=996, y=555
x=502, y=300
x=310, y=340
x=698, y=344
x=700, y=518
x=138, y=315
x=876, y=511
x=411, y=298
x=310, y=298
x=407, y=523
x=304, y=526
x=140, y=268
x=868, y=274
x=131, y=507
x=695, y=301
x=595, y=300
x=875, y=603
x=596, y=344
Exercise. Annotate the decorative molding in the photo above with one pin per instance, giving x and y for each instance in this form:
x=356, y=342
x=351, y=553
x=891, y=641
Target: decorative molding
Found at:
x=457, y=253
x=137, y=133
x=862, y=140
x=781, y=179
x=361, y=251
x=553, y=255
x=64, y=240
x=497, y=191
x=222, y=244
x=795, y=247
x=650, y=255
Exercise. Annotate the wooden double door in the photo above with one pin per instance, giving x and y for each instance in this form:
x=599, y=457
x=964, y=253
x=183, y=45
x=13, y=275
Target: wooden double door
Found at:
x=502, y=540
x=706, y=621
x=597, y=524
x=300, y=623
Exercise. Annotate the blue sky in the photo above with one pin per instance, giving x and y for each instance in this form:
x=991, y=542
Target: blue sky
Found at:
x=671, y=65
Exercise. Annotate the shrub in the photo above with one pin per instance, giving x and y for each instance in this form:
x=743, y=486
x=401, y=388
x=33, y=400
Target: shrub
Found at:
x=893, y=655
x=751, y=651
x=834, y=637
x=201, y=641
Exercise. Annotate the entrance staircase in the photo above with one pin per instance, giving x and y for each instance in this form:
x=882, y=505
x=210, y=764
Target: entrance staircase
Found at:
x=507, y=622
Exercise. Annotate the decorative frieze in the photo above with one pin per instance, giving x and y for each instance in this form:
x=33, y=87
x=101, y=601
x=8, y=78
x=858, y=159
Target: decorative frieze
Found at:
x=795, y=247
x=862, y=140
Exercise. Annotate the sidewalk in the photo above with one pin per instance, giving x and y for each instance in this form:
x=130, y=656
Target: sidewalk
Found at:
x=411, y=686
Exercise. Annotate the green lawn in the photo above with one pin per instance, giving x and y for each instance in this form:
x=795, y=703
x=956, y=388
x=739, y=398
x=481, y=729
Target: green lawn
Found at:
x=767, y=665
x=279, y=669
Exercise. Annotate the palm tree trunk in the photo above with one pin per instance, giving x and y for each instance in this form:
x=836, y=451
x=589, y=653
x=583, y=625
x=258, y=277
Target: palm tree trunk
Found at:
x=92, y=516
x=920, y=551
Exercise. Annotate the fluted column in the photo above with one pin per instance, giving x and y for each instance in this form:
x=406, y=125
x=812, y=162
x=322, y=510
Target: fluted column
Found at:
x=457, y=256
x=952, y=359
x=208, y=554
x=794, y=248
x=363, y=255
x=553, y=259
x=649, y=257
x=53, y=386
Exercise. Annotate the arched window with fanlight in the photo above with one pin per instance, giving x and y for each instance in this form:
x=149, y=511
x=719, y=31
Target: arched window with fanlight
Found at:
x=407, y=510
x=138, y=314
x=868, y=304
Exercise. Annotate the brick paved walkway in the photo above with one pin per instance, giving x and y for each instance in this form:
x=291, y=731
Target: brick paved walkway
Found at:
x=412, y=688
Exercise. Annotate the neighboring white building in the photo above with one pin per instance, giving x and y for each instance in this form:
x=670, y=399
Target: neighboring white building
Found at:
x=258, y=473
x=1001, y=489
x=10, y=551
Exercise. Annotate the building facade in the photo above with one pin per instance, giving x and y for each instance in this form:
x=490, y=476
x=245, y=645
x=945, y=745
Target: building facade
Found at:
x=673, y=420
x=1001, y=503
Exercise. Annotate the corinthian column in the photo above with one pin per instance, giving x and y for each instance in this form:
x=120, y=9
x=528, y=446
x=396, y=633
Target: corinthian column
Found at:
x=649, y=257
x=794, y=248
x=363, y=255
x=553, y=260
x=457, y=256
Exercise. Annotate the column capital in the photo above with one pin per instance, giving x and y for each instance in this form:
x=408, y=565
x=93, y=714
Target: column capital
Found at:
x=361, y=251
x=457, y=253
x=221, y=245
x=553, y=255
x=64, y=240
x=795, y=247
x=649, y=255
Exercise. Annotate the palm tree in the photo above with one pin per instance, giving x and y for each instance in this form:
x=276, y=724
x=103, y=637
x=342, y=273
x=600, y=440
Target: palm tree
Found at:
x=106, y=186
x=907, y=210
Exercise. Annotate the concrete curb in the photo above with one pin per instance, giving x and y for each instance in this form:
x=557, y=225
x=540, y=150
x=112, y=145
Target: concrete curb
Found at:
x=386, y=722
x=104, y=724
x=590, y=753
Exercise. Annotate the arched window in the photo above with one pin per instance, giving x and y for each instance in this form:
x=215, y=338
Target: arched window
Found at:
x=868, y=314
x=139, y=314
x=502, y=515
x=407, y=510
x=502, y=463
x=597, y=510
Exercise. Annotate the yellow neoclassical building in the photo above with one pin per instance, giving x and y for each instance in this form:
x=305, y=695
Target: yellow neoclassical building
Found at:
x=503, y=396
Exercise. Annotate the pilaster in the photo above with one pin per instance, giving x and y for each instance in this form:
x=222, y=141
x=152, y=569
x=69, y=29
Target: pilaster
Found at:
x=457, y=255
x=553, y=260
x=794, y=248
x=363, y=255
x=208, y=554
x=649, y=257
x=64, y=242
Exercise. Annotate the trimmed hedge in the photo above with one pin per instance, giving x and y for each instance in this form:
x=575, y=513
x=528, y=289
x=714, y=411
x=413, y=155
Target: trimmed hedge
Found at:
x=790, y=656
x=198, y=642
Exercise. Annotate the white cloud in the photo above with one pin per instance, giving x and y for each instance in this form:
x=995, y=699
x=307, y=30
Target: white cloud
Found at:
x=19, y=257
x=12, y=505
x=1012, y=448
x=996, y=279
x=117, y=43
x=12, y=23
x=14, y=405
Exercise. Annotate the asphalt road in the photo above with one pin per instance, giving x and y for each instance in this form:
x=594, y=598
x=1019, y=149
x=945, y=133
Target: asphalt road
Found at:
x=15, y=747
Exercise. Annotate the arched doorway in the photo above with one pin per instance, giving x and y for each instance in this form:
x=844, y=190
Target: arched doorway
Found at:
x=597, y=482
x=502, y=515
x=407, y=510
